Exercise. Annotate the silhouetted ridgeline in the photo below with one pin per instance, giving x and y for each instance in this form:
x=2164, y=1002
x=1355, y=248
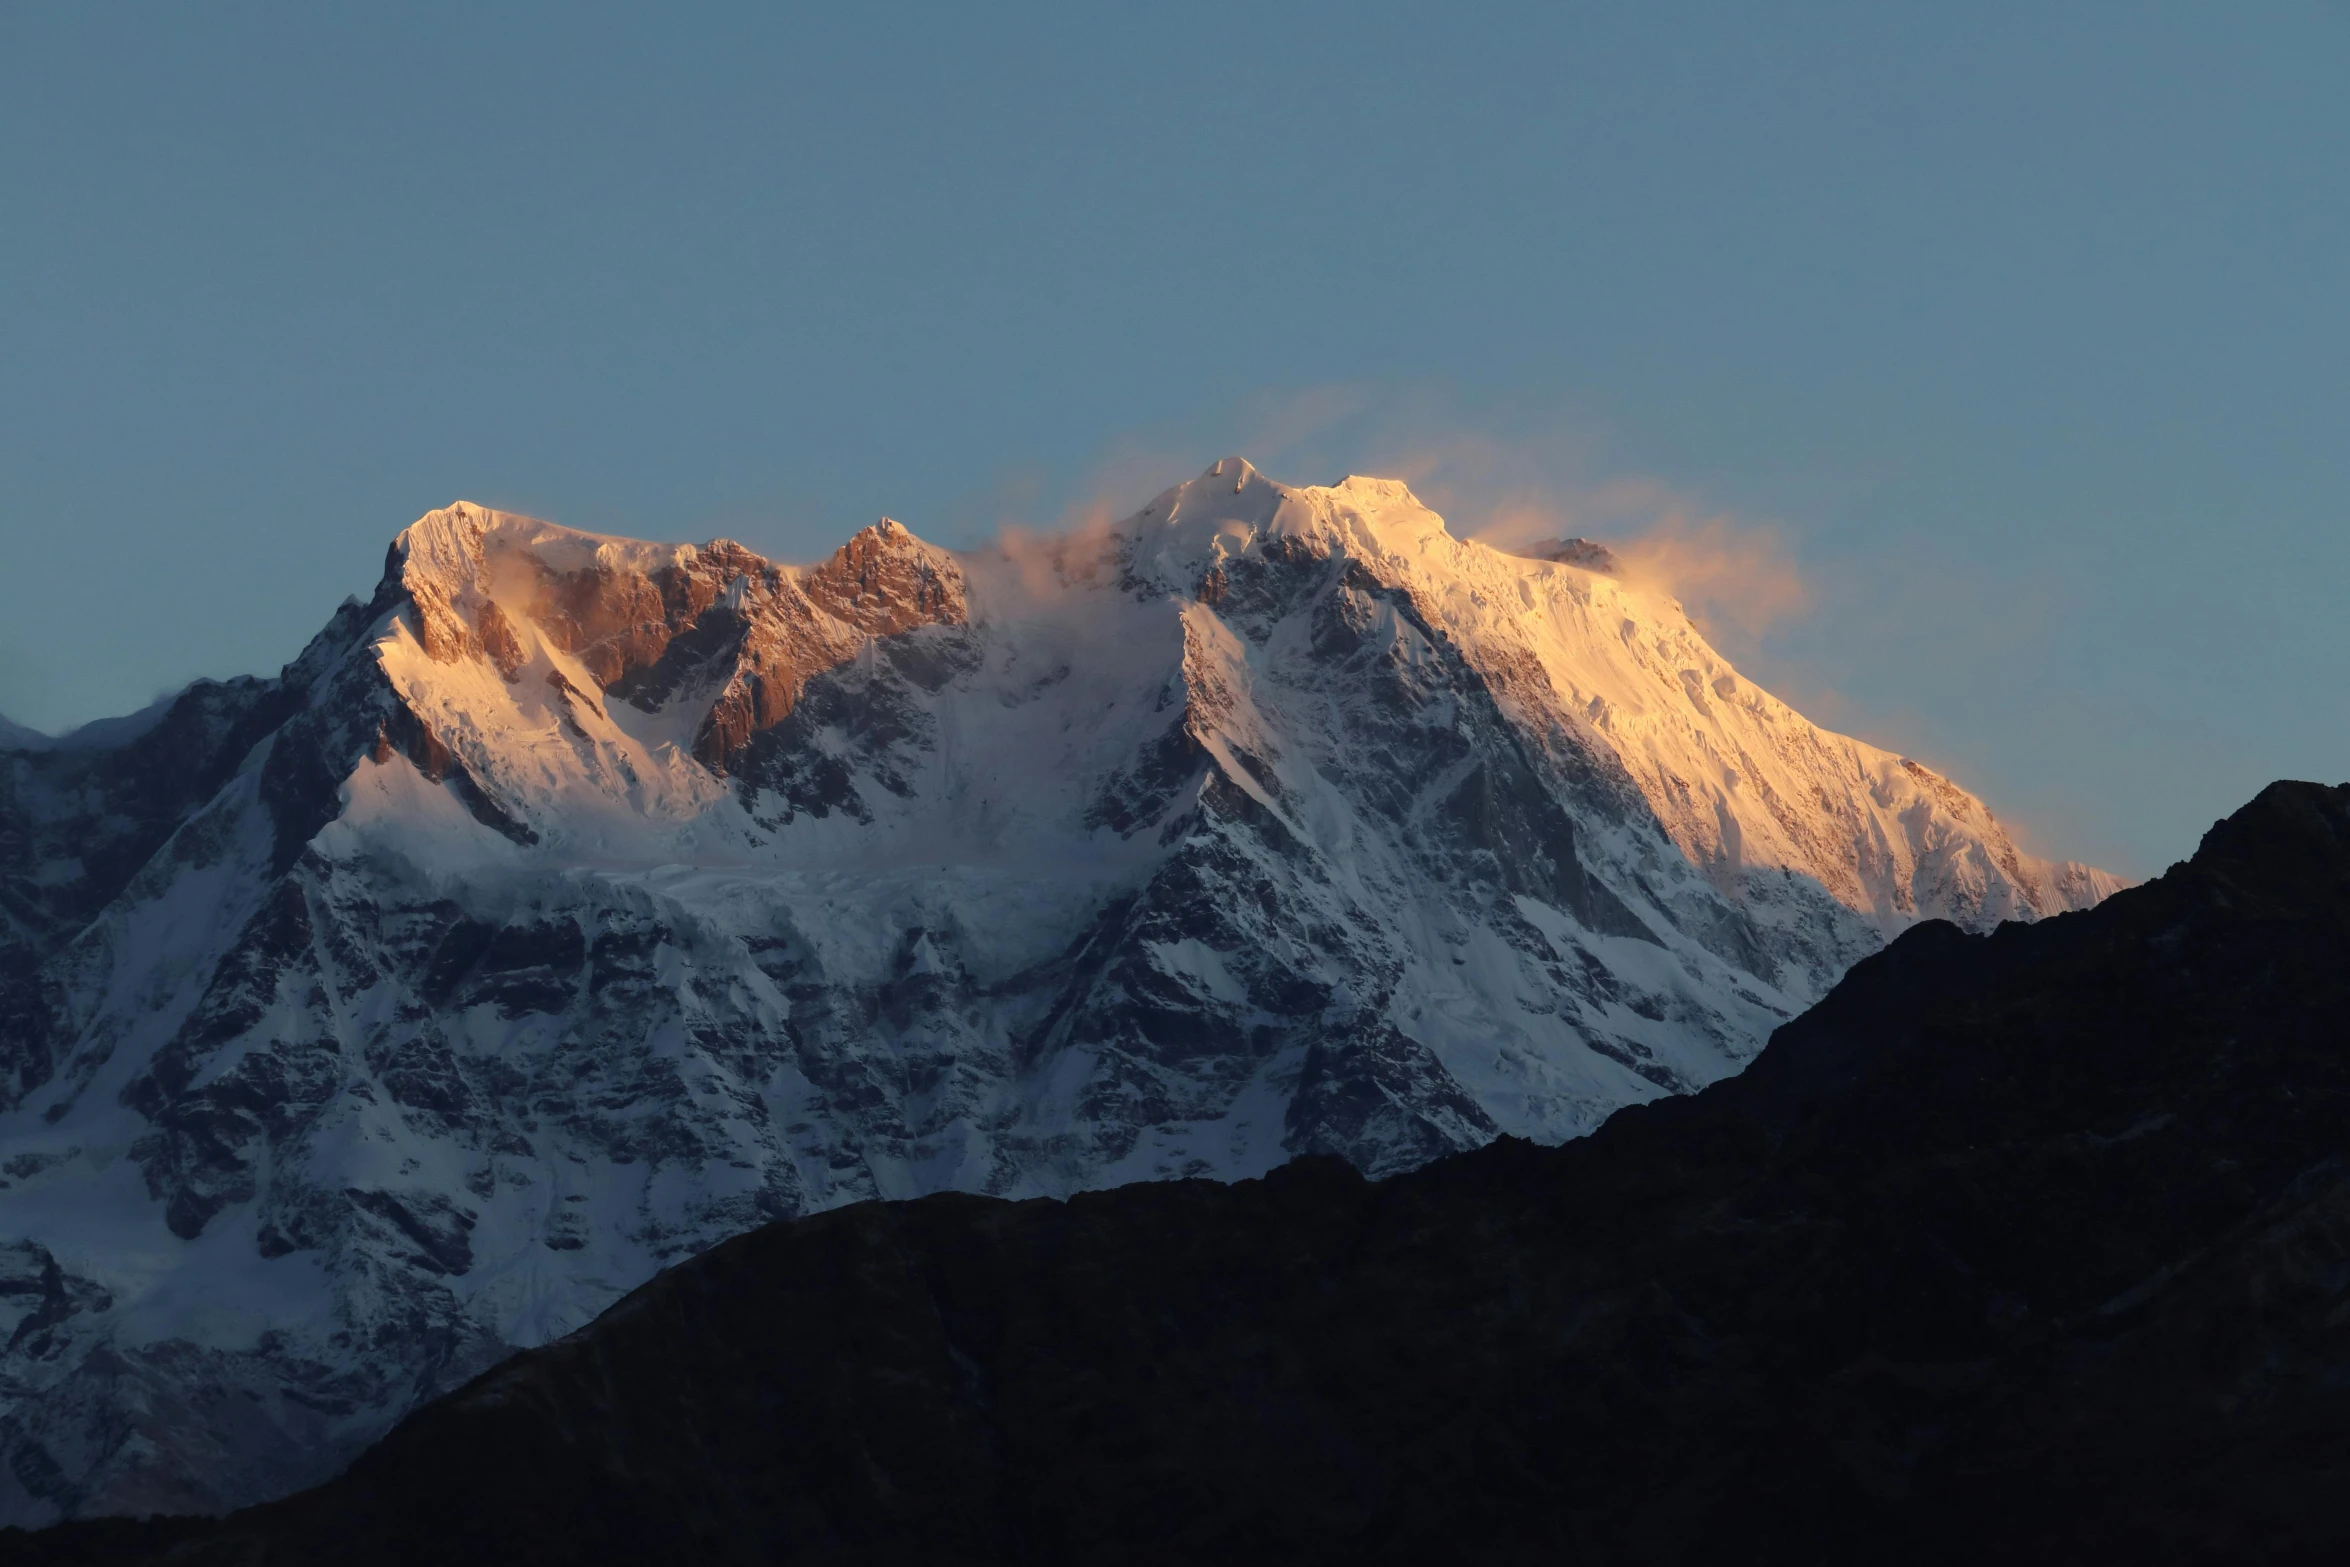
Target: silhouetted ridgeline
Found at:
x=2030, y=1244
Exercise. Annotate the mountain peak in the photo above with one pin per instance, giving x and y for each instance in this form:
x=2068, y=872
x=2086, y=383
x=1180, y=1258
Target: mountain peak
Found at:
x=576, y=902
x=1232, y=510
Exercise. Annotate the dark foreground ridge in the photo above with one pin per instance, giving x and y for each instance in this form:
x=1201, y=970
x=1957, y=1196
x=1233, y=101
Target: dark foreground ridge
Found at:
x=2030, y=1245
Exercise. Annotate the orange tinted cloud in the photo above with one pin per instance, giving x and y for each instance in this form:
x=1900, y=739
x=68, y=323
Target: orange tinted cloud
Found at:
x=1535, y=479
x=1738, y=576
x=1732, y=576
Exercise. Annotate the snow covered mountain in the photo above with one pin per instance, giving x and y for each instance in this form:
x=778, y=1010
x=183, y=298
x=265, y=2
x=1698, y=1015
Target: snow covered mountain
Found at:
x=573, y=903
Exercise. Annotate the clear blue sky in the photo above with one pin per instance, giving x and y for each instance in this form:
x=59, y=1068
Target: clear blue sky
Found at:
x=2022, y=330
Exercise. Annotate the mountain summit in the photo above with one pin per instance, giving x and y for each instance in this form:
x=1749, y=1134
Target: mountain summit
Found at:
x=574, y=903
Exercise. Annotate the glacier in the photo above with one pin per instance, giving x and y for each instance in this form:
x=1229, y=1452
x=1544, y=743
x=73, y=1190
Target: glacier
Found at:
x=574, y=902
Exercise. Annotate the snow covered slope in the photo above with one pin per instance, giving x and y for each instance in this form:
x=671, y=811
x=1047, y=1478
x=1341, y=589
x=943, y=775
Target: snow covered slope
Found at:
x=576, y=902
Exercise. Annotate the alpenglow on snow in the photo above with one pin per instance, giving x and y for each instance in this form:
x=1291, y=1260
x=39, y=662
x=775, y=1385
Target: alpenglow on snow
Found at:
x=574, y=903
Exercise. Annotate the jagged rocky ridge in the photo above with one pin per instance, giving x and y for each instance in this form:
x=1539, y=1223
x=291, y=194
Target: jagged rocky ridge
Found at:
x=2019, y=1247
x=574, y=903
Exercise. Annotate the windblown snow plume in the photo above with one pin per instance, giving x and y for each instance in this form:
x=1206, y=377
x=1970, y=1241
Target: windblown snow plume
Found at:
x=574, y=903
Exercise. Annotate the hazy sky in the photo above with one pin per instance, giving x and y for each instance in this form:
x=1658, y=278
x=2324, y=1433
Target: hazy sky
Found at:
x=1990, y=363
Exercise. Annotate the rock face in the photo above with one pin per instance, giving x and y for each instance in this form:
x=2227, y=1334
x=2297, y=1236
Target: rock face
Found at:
x=575, y=903
x=2019, y=1247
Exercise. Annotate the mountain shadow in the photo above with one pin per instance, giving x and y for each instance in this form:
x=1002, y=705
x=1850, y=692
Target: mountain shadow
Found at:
x=2026, y=1246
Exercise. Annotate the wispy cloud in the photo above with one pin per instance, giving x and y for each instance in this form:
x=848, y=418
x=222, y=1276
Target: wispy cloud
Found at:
x=1731, y=576
x=1738, y=578
x=1508, y=481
